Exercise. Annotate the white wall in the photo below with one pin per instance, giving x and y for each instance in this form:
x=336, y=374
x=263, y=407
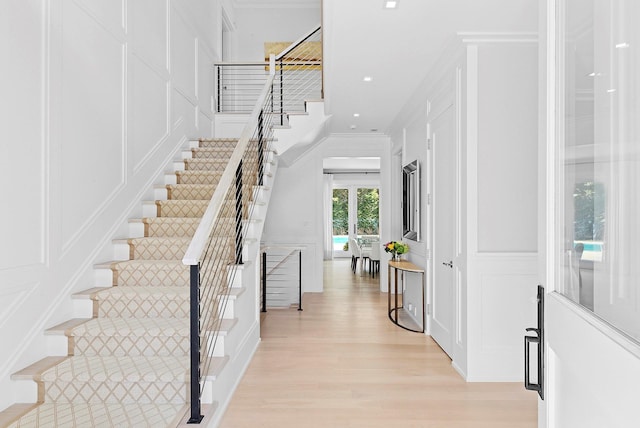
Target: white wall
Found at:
x=285, y=25
x=295, y=210
x=96, y=97
x=496, y=92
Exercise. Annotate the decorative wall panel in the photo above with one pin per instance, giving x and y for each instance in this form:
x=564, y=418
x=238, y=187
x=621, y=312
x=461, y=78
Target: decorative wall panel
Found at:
x=507, y=149
x=205, y=80
x=109, y=13
x=183, y=56
x=11, y=299
x=503, y=298
x=22, y=151
x=92, y=109
x=148, y=124
x=149, y=32
x=182, y=113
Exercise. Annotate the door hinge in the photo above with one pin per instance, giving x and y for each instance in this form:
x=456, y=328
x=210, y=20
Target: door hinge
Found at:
x=428, y=143
x=428, y=308
x=428, y=198
x=428, y=254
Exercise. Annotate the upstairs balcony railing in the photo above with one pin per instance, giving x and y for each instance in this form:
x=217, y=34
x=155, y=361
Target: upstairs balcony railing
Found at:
x=215, y=252
x=298, y=77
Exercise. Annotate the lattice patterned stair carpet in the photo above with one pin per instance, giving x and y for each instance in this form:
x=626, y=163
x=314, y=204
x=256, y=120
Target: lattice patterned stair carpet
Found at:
x=128, y=366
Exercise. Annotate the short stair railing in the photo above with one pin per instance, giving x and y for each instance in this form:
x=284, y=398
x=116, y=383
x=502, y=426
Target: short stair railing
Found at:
x=298, y=78
x=281, y=277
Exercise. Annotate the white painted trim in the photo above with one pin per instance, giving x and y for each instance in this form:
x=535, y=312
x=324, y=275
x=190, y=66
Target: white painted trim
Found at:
x=472, y=149
x=619, y=337
x=476, y=38
x=276, y=4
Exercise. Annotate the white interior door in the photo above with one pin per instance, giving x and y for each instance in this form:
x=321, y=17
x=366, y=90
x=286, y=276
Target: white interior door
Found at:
x=592, y=312
x=441, y=316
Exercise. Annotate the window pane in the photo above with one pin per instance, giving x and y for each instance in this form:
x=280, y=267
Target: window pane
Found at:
x=368, y=218
x=340, y=218
x=600, y=162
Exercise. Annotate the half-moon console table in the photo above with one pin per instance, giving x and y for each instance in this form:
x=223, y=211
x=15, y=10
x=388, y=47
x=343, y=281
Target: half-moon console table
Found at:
x=403, y=266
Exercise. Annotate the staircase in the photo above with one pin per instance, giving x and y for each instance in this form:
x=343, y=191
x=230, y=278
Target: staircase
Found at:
x=128, y=352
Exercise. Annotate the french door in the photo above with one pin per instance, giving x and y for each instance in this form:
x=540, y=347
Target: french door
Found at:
x=592, y=309
x=355, y=215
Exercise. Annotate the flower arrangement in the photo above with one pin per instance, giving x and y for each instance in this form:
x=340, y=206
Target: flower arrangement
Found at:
x=396, y=248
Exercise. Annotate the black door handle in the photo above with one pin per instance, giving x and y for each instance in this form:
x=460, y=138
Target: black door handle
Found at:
x=450, y=264
x=539, y=340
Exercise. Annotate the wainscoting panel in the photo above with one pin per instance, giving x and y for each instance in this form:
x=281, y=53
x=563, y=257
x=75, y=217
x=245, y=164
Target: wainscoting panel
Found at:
x=183, y=64
x=109, y=13
x=22, y=127
x=92, y=132
x=148, y=23
x=205, y=80
x=12, y=298
x=502, y=300
x=205, y=125
x=148, y=124
x=512, y=291
x=182, y=112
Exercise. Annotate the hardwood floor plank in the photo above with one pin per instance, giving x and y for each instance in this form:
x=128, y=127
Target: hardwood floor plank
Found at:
x=342, y=363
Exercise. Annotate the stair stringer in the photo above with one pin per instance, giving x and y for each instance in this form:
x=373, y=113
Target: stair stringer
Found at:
x=303, y=130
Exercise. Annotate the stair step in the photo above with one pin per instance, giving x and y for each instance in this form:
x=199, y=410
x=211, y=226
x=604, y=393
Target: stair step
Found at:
x=156, y=247
x=151, y=302
x=130, y=336
x=95, y=415
x=198, y=177
x=181, y=208
x=219, y=142
x=190, y=191
x=221, y=153
x=136, y=273
x=167, y=226
x=116, y=379
x=204, y=164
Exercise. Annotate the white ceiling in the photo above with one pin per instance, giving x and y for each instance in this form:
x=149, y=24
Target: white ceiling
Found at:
x=397, y=48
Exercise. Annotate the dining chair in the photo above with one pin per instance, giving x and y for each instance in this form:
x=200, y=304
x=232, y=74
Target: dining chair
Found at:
x=374, y=259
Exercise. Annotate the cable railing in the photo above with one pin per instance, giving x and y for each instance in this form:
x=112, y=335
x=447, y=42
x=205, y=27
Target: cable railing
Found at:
x=215, y=252
x=281, y=277
x=298, y=78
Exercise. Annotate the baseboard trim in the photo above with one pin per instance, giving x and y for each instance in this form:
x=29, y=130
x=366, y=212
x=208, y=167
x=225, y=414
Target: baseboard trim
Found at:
x=253, y=347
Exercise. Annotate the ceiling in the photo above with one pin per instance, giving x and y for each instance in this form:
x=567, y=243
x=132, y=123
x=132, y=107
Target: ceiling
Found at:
x=397, y=48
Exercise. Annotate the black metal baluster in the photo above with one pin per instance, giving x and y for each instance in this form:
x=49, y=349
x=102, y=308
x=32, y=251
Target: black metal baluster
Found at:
x=239, y=239
x=264, y=281
x=299, y=280
x=194, y=326
x=261, y=148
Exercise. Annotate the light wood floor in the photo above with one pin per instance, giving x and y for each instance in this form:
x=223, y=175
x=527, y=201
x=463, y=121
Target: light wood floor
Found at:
x=342, y=363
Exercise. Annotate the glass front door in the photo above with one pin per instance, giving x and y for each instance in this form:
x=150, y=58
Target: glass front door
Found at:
x=600, y=166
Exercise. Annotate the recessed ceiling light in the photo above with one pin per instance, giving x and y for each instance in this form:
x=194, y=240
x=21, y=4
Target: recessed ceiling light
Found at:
x=356, y=114
x=353, y=127
x=367, y=78
x=374, y=129
x=622, y=45
x=390, y=4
